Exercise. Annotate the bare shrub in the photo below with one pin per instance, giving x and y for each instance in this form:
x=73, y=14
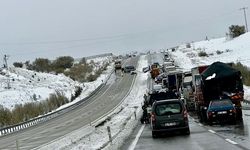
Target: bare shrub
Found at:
x=245, y=72
x=202, y=54
x=218, y=52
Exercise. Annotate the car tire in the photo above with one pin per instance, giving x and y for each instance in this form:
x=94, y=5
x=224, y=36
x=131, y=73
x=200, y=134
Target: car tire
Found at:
x=186, y=131
x=154, y=135
x=233, y=122
x=210, y=123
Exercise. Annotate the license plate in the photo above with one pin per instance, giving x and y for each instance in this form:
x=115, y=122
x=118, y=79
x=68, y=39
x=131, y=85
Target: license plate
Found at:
x=222, y=112
x=170, y=124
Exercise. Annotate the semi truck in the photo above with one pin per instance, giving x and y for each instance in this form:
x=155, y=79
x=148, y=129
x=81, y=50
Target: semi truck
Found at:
x=216, y=81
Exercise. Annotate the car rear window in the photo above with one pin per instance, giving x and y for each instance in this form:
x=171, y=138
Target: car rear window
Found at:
x=168, y=109
x=221, y=102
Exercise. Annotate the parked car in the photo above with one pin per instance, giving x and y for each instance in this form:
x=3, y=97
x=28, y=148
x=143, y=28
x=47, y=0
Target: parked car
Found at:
x=169, y=115
x=221, y=110
x=128, y=69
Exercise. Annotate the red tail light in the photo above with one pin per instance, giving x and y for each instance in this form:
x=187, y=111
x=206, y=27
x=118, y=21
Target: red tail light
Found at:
x=153, y=117
x=185, y=114
x=210, y=113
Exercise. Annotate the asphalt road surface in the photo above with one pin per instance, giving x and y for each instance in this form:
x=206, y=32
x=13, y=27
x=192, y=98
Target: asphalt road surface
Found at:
x=202, y=137
x=101, y=103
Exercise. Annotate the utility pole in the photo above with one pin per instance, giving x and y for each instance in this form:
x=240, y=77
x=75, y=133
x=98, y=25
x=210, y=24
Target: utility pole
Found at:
x=5, y=58
x=245, y=16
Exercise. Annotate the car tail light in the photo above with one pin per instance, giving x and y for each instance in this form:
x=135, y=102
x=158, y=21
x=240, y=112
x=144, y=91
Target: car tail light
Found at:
x=185, y=114
x=210, y=113
x=153, y=117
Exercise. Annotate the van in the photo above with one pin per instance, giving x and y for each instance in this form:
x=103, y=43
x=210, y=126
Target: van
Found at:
x=169, y=115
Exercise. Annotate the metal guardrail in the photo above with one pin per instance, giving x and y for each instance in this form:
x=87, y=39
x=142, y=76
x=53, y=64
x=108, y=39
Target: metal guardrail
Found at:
x=44, y=118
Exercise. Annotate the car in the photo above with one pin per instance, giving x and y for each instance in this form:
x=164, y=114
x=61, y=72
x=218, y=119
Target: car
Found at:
x=169, y=115
x=221, y=110
x=128, y=69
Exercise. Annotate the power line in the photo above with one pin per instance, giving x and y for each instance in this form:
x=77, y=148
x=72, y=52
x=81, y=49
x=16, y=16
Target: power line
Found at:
x=245, y=16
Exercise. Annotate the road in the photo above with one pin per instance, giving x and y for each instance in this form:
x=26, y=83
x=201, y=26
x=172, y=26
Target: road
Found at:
x=202, y=137
x=101, y=103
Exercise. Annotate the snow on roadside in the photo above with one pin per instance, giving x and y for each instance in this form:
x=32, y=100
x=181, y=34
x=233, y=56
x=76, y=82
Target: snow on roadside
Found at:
x=30, y=86
x=89, y=87
x=121, y=123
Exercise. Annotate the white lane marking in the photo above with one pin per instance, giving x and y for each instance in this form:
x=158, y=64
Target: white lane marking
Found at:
x=211, y=131
x=132, y=146
x=200, y=124
x=230, y=141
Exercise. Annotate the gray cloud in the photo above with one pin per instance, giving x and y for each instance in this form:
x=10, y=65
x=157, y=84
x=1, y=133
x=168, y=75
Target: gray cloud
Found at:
x=51, y=28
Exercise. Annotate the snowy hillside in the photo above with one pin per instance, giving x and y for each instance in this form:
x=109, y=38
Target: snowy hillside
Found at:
x=235, y=50
x=30, y=86
x=221, y=49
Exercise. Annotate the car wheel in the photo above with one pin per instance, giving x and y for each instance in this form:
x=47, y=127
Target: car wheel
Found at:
x=233, y=122
x=210, y=122
x=186, y=131
x=154, y=134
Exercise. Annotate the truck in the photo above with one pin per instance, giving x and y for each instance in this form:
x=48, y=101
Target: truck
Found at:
x=118, y=64
x=187, y=92
x=216, y=81
x=155, y=70
x=173, y=80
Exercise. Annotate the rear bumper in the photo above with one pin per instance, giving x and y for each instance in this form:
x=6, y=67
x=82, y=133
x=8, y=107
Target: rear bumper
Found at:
x=170, y=129
x=222, y=118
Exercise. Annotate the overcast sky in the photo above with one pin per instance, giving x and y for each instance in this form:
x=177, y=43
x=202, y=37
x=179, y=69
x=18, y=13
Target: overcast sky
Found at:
x=50, y=28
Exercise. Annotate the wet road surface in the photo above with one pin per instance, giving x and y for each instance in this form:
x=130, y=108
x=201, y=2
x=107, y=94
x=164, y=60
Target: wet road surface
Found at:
x=202, y=137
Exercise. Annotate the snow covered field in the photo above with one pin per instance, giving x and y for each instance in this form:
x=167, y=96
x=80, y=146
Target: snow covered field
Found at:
x=30, y=86
x=122, y=123
x=235, y=50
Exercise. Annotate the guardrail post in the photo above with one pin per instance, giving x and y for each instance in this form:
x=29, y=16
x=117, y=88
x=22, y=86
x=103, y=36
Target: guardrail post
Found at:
x=109, y=133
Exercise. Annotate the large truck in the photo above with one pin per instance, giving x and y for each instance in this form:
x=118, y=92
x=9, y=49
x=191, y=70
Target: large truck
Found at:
x=154, y=70
x=217, y=81
x=187, y=92
x=118, y=64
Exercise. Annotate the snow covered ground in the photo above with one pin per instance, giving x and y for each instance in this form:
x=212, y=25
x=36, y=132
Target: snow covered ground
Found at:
x=235, y=50
x=30, y=86
x=123, y=121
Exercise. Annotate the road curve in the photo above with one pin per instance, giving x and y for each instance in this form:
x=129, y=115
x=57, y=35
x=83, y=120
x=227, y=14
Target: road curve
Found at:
x=101, y=103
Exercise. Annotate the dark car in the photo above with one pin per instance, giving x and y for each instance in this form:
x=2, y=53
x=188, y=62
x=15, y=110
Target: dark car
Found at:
x=128, y=69
x=169, y=115
x=221, y=110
